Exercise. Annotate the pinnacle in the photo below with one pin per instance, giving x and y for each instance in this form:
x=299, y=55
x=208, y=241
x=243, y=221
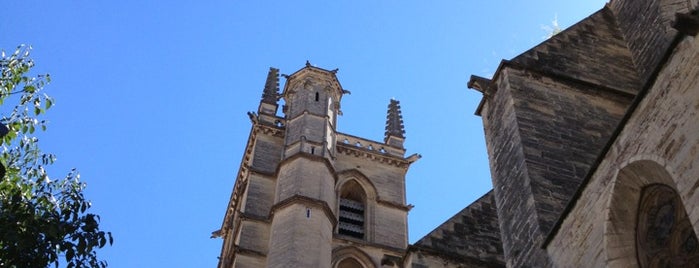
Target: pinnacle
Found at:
x=271, y=92
x=394, y=121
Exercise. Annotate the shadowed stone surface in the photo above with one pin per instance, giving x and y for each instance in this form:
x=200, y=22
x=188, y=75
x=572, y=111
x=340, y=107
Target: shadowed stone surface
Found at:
x=471, y=233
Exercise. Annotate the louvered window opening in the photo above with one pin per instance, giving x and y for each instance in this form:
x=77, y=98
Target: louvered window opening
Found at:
x=351, y=218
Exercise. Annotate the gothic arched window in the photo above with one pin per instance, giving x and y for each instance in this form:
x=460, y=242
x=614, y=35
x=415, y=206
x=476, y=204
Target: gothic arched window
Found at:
x=352, y=210
x=664, y=234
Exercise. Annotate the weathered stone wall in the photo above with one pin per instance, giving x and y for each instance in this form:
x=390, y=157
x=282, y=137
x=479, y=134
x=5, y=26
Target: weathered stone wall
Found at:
x=306, y=128
x=389, y=180
x=388, y=213
x=647, y=28
x=249, y=235
x=303, y=99
x=267, y=152
x=259, y=195
x=511, y=185
x=301, y=236
x=592, y=50
x=306, y=176
x=662, y=130
x=390, y=227
x=563, y=128
x=242, y=261
x=542, y=135
x=254, y=236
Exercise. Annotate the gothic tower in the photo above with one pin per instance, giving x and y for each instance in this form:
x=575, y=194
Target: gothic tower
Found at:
x=307, y=195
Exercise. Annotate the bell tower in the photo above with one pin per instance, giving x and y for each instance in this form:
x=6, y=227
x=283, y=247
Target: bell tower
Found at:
x=302, y=217
x=307, y=195
x=312, y=96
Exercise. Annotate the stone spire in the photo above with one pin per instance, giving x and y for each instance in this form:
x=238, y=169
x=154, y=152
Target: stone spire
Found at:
x=271, y=92
x=270, y=95
x=395, y=131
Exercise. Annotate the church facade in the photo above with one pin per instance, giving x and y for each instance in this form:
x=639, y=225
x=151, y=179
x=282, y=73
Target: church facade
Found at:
x=593, y=144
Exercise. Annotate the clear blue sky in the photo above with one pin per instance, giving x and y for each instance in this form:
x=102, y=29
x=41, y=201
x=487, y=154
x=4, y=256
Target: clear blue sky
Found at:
x=151, y=98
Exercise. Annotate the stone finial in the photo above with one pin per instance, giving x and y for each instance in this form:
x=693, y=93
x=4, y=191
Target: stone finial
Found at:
x=271, y=92
x=394, y=122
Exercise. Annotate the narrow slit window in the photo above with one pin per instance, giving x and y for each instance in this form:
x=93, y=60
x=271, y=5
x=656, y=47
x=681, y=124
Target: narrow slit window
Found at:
x=317, y=96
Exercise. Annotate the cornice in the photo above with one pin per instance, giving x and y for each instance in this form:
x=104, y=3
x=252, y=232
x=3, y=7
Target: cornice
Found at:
x=270, y=130
x=252, y=217
x=295, y=199
x=350, y=241
x=405, y=208
x=373, y=155
x=271, y=175
x=308, y=156
x=249, y=252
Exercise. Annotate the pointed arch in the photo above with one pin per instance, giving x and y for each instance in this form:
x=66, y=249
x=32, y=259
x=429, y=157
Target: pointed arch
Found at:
x=356, y=201
x=350, y=256
x=360, y=178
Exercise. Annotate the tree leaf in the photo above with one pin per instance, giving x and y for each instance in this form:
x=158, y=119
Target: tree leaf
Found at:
x=50, y=215
x=69, y=254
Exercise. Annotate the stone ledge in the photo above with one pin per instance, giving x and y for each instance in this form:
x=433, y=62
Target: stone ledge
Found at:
x=308, y=201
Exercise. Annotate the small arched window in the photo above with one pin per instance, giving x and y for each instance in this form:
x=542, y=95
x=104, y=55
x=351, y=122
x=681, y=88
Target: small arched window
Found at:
x=352, y=210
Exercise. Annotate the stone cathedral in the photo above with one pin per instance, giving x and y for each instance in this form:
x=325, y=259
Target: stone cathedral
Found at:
x=593, y=144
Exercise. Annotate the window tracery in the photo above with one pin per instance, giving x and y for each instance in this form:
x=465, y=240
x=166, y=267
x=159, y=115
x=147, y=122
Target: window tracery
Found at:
x=664, y=234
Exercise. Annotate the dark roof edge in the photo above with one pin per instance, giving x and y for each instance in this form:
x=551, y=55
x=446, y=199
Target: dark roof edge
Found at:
x=605, y=150
x=559, y=77
x=457, y=258
x=569, y=28
x=454, y=216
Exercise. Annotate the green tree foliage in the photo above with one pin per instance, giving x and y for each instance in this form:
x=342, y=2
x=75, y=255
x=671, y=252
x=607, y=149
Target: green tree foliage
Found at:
x=43, y=220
